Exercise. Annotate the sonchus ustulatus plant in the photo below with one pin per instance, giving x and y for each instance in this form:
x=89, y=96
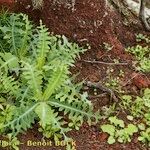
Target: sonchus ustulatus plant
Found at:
x=35, y=83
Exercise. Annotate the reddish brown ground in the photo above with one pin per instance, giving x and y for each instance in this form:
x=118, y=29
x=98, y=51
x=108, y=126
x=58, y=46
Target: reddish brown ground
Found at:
x=91, y=22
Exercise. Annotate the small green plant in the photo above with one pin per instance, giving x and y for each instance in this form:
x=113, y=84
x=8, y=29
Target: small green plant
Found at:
x=35, y=82
x=140, y=37
x=37, y=4
x=121, y=73
x=107, y=46
x=139, y=51
x=126, y=101
x=113, y=83
x=136, y=106
x=139, y=109
x=108, y=111
x=146, y=118
x=70, y=4
x=117, y=130
x=142, y=55
x=145, y=136
x=146, y=97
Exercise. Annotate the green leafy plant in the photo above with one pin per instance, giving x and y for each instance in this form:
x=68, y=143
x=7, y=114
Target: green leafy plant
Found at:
x=117, y=130
x=35, y=83
x=107, y=111
x=146, y=97
x=136, y=106
x=140, y=37
x=145, y=136
x=139, y=108
x=113, y=83
x=142, y=55
x=146, y=118
x=139, y=51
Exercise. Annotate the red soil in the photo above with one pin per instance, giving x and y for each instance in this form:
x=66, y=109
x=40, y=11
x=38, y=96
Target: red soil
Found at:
x=93, y=22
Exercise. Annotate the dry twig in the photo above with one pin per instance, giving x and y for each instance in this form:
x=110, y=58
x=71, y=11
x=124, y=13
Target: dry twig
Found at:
x=104, y=63
x=98, y=85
